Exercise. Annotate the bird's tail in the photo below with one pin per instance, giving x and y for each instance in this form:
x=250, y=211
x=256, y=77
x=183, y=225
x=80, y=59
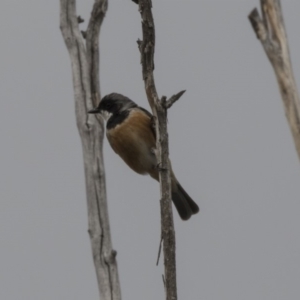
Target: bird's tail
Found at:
x=184, y=204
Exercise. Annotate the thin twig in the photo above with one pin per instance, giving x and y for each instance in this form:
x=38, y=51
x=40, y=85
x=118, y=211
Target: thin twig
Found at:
x=173, y=99
x=159, y=251
x=80, y=20
x=164, y=281
x=83, y=32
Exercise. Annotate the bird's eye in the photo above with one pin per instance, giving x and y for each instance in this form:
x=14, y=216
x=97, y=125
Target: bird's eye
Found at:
x=109, y=105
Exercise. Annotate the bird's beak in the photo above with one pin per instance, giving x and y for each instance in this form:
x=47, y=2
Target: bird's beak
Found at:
x=94, y=111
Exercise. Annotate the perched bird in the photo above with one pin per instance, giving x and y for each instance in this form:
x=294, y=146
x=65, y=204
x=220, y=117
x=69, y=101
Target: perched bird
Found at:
x=130, y=132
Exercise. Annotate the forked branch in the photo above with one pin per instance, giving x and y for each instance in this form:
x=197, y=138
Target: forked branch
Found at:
x=85, y=69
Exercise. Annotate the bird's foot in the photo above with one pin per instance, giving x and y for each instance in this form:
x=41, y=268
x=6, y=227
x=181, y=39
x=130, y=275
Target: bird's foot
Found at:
x=152, y=122
x=154, y=151
x=160, y=168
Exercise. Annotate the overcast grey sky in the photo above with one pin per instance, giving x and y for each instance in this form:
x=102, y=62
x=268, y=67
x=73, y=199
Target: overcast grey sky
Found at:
x=230, y=146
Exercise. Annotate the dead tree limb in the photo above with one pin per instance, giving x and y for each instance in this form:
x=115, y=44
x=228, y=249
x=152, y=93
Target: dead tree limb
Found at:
x=85, y=69
x=159, y=110
x=271, y=32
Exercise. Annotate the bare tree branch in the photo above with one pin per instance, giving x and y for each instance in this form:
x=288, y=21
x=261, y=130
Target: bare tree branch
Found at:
x=159, y=251
x=92, y=44
x=85, y=70
x=159, y=109
x=271, y=32
x=173, y=99
x=79, y=19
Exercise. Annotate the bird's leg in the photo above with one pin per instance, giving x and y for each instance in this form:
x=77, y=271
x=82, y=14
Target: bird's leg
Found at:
x=160, y=168
x=152, y=123
x=154, y=151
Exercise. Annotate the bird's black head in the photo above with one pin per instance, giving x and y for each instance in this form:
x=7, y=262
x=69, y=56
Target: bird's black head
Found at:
x=113, y=104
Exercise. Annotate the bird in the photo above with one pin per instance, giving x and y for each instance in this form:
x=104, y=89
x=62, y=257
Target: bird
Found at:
x=131, y=134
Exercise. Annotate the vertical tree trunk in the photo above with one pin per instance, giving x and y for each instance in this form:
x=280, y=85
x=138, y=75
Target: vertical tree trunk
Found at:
x=85, y=69
x=271, y=32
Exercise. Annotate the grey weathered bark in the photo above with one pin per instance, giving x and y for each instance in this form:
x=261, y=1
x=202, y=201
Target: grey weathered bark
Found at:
x=271, y=32
x=159, y=110
x=85, y=70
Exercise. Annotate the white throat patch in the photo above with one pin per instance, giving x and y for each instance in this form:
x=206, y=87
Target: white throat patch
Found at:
x=106, y=115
